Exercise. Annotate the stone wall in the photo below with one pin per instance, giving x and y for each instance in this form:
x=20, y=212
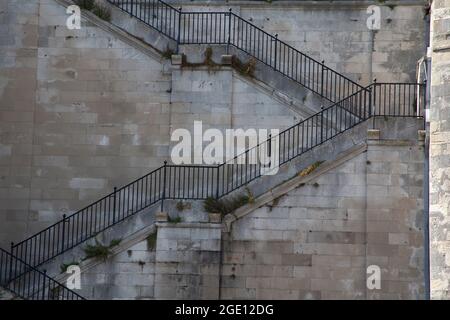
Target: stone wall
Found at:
x=129, y=275
x=337, y=32
x=188, y=261
x=312, y=237
x=82, y=111
x=316, y=241
x=439, y=152
x=18, y=67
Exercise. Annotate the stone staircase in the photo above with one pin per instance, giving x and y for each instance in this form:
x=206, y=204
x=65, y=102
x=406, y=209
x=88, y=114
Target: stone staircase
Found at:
x=135, y=228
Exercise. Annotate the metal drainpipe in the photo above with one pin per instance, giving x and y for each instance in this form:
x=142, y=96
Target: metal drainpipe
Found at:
x=425, y=62
x=426, y=216
x=426, y=180
x=422, y=76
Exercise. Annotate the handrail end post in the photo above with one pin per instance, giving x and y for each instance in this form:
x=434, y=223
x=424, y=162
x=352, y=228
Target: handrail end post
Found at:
x=180, y=12
x=164, y=187
x=43, y=283
x=114, y=205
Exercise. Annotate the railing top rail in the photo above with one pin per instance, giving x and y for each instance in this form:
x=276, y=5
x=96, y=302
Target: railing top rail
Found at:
x=398, y=83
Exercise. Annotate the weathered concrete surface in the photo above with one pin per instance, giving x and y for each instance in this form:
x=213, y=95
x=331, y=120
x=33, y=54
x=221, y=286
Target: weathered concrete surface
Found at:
x=82, y=111
x=188, y=261
x=337, y=32
x=316, y=241
x=311, y=237
x=439, y=152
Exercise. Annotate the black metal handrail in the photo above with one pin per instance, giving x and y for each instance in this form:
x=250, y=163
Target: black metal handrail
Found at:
x=199, y=182
x=227, y=28
x=29, y=283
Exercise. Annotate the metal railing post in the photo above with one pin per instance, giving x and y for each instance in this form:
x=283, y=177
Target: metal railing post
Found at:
x=321, y=126
x=11, y=262
x=218, y=174
x=164, y=186
x=374, y=100
x=270, y=150
x=132, y=5
x=322, y=78
x=276, y=45
x=43, y=284
x=425, y=83
x=229, y=31
x=370, y=102
x=114, y=205
x=179, y=31
x=63, y=232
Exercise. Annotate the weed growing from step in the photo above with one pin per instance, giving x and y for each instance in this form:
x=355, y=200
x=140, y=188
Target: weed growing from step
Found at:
x=65, y=266
x=102, y=11
x=55, y=292
x=167, y=54
x=181, y=206
x=226, y=206
x=85, y=4
x=99, y=250
x=115, y=242
x=245, y=68
x=151, y=240
x=208, y=61
x=174, y=220
x=274, y=203
x=308, y=170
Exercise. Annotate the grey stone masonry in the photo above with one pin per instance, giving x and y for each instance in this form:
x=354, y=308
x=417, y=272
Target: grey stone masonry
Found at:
x=317, y=240
x=337, y=32
x=83, y=111
x=310, y=237
x=187, y=260
x=440, y=152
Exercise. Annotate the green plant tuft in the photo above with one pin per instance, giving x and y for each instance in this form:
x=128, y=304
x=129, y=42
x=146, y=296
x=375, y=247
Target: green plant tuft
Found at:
x=55, y=292
x=274, y=203
x=102, y=11
x=114, y=243
x=167, y=54
x=151, y=241
x=208, y=57
x=245, y=68
x=208, y=61
x=251, y=198
x=226, y=206
x=85, y=4
x=181, y=206
x=310, y=169
x=177, y=219
x=99, y=250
